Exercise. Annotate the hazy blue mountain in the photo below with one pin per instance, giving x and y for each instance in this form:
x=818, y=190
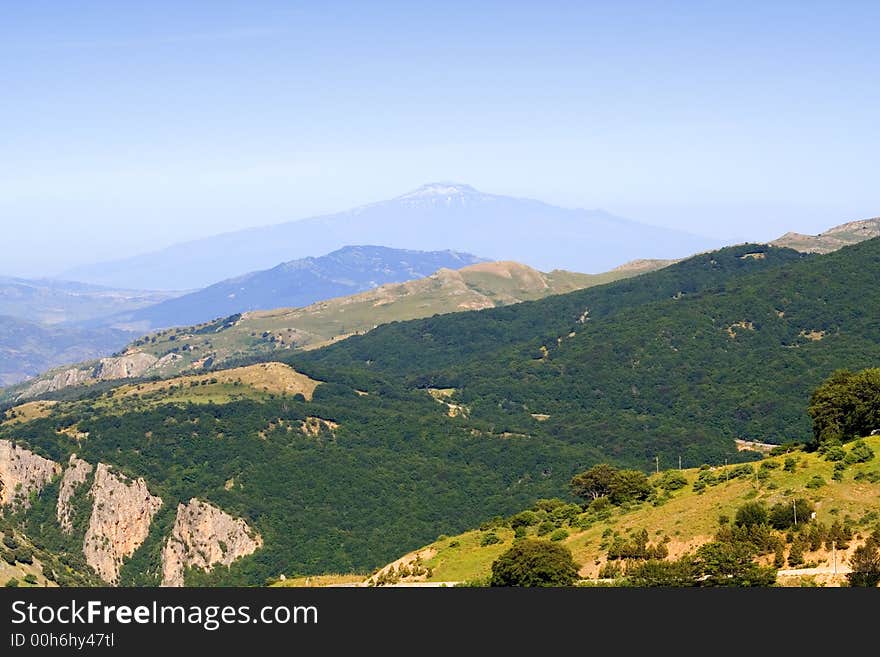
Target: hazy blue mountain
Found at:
x=435, y=216
x=28, y=348
x=55, y=302
x=296, y=283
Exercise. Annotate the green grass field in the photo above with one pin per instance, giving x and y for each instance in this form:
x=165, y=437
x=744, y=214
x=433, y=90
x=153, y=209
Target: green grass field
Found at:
x=688, y=518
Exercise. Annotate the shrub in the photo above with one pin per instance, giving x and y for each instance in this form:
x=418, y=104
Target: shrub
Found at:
x=559, y=535
x=816, y=482
x=31, y=579
x=783, y=514
x=835, y=453
x=523, y=519
x=546, y=527
x=860, y=452
x=672, y=480
x=535, y=563
x=489, y=539
x=865, y=564
x=662, y=573
x=751, y=513
x=610, y=570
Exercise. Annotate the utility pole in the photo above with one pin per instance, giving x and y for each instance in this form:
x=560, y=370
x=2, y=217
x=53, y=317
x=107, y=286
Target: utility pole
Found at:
x=679, y=461
x=657, y=461
x=794, y=509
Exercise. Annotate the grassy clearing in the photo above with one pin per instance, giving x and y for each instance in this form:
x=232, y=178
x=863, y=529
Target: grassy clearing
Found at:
x=252, y=382
x=24, y=413
x=320, y=581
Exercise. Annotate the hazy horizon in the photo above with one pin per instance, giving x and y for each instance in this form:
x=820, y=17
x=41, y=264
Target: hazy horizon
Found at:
x=137, y=127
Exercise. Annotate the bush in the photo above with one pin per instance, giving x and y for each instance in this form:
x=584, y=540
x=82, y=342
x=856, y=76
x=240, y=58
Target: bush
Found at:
x=751, y=513
x=559, y=535
x=546, y=527
x=31, y=579
x=816, y=482
x=662, y=573
x=524, y=519
x=865, y=564
x=672, y=480
x=835, y=453
x=782, y=515
x=860, y=452
x=489, y=539
x=535, y=563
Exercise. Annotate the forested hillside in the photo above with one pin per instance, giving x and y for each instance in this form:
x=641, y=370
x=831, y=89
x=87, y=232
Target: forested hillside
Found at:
x=677, y=362
x=431, y=426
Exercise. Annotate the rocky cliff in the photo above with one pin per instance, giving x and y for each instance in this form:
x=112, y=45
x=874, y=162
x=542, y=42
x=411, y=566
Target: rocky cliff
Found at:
x=121, y=515
x=21, y=473
x=129, y=365
x=74, y=476
x=202, y=537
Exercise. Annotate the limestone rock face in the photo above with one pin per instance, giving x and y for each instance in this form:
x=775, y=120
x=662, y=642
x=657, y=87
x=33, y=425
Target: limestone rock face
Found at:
x=203, y=536
x=121, y=515
x=65, y=379
x=124, y=367
x=128, y=365
x=75, y=475
x=21, y=473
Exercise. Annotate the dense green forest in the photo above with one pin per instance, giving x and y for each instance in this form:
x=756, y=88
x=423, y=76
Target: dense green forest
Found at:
x=672, y=363
x=677, y=362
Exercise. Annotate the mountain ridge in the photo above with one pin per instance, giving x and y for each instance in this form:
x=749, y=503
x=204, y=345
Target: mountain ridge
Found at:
x=429, y=218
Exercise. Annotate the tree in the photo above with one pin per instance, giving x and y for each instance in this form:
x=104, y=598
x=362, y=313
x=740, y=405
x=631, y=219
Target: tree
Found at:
x=604, y=480
x=629, y=486
x=783, y=514
x=731, y=564
x=594, y=483
x=751, y=513
x=865, y=564
x=663, y=573
x=846, y=406
x=532, y=562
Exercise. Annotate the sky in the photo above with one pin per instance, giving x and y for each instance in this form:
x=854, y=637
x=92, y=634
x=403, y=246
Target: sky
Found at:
x=126, y=127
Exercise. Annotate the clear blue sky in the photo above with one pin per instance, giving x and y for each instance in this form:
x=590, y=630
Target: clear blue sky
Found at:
x=128, y=126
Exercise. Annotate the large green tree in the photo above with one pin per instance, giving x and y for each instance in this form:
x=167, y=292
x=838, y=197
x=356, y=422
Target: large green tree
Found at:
x=846, y=406
x=535, y=563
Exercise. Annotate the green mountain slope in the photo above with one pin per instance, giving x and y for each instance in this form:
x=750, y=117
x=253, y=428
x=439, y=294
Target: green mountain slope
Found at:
x=679, y=362
x=378, y=456
x=686, y=518
x=263, y=333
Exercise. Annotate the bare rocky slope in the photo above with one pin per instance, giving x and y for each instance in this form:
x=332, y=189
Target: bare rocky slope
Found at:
x=833, y=238
x=122, y=511
x=203, y=536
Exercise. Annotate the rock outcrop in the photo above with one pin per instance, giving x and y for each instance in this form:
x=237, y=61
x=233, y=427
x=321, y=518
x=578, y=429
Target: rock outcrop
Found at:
x=121, y=515
x=65, y=379
x=202, y=537
x=74, y=476
x=126, y=366
x=21, y=473
x=133, y=364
